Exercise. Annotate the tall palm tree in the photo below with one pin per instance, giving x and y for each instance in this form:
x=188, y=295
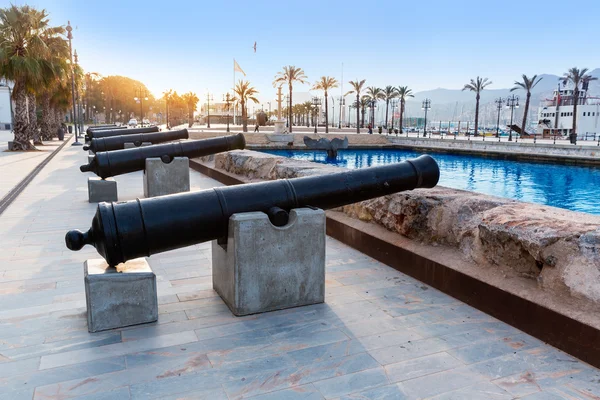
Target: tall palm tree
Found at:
x=576, y=76
x=55, y=77
x=191, y=100
x=244, y=93
x=477, y=85
x=389, y=93
x=289, y=75
x=357, y=87
x=375, y=94
x=324, y=84
x=526, y=84
x=363, y=104
x=23, y=56
x=403, y=93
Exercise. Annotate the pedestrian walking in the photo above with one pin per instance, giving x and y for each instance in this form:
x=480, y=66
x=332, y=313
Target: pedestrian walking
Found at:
x=256, y=128
x=370, y=129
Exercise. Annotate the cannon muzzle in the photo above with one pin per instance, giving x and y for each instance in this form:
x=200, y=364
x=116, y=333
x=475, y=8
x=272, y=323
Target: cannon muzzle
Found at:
x=112, y=163
x=111, y=143
x=127, y=230
x=121, y=131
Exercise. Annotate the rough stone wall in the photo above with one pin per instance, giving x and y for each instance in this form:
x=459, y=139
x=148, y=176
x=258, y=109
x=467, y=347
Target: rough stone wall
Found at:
x=558, y=248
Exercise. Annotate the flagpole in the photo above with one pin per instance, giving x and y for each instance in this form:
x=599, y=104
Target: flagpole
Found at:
x=233, y=89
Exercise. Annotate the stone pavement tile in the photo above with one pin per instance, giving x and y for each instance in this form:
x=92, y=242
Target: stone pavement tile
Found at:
x=418, y=367
x=276, y=380
x=217, y=308
x=24, y=394
x=375, y=326
x=480, y=391
x=441, y=382
x=189, y=305
x=486, y=350
x=8, y=369
x=196, y=295
x=209, y=379
x=409, y=350
x=388, y=392
x=517, y=362
x=345, y=298
x=84, y=355
x=350, y=383
x=119, y=393
x=387, y=339
x=195, y=350
x=304, y=392
x=326, y=352
x=210, y=394
x=299, y=329
x=459, y=325
x=574, y=391
x=82, y=371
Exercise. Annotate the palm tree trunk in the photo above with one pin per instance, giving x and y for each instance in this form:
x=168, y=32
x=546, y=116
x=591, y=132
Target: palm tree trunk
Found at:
x=190, y=117
x=21, y=141
x=244, y=117
x=387, y=106
x=34, y=132
x=525, y=112
x=362, y=119
x=290, y=111
x=326, y=114
x=401, y=114
x=357, y=112
x=477, y=115
x=46, y=120
x=575, y=101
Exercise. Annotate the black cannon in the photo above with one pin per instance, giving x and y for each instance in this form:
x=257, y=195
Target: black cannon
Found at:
x=103, y=128
x=142, y=227
x=112, y=163
x=121, y=131
x=118, y=142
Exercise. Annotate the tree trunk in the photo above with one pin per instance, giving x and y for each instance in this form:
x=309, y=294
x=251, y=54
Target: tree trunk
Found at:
x=21, y=141
x=34, y=132
x=190, y=117
x=46, y=123
x=387, y=106
x=290, y=111
x=401, y=114
x=245, y=117
x=575, y=101
x=357, y=112
x=362, y=119
x=326, y=114
x=526, y=111
x=477, y=115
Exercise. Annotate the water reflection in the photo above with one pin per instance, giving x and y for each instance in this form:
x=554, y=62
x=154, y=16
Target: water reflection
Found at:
x=571, y=187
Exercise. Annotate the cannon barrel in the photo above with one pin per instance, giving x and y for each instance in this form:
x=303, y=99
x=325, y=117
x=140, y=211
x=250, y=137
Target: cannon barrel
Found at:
x=91, y=129
x=121, y=131
x=127, y=230
x=112, y=163
x=111, y=143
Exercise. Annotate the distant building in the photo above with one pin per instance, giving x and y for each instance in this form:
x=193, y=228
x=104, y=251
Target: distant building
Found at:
x=5, y=106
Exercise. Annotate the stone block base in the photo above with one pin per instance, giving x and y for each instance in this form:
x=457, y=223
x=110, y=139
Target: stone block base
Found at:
x=161, y=179
x=121, y=296
x=10, y=146
x=132, y=145
x=279, y=127
x=265, y=268
x=102, y=190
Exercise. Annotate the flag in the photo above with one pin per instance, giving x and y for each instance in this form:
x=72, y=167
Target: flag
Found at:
x=236, y=67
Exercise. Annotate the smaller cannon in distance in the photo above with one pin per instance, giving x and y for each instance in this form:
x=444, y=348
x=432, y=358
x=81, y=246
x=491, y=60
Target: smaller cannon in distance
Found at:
x=127, y=230
x=110, y=143
x=112, y=163
x=118, y=132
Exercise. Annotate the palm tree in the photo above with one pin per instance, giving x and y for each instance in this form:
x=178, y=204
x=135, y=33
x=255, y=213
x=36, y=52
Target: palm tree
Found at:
x=191, y=100
x=375, y=94
x=364, y=103
x=23, y=55
x=324, y=84
x=244, y=92
x=526, y=84
x=576, y=76
x=389, y=93
x=289, y=75
x=477, y=85
x=167, y=95
x=357, y=87
x=403, y=93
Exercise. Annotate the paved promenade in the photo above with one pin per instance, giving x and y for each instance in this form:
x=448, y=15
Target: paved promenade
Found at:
x=380, y=334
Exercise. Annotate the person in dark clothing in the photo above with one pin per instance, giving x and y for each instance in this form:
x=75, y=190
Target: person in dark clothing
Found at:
x=256, y=128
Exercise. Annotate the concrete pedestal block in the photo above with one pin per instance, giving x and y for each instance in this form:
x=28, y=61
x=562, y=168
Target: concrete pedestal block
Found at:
x=121, y=296
x=133, y=145
x=279, y=127
x=161, y=179
x=11, y=146
x=102, y=190
x=265, y=268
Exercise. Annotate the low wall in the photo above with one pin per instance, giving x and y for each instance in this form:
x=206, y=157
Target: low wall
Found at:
x=557, y=249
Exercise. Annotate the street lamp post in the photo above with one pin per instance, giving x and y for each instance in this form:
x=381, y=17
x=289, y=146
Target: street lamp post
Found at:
x=394, y=104
x=332, y=112
x=269, y=119
x=78, y=103
x=342, y=104
x=316, y=102
x=499, y=101
x=70, y=37
x=208, y=99
x=143, y=95
x=227, y=99
x=512, y=102
x=425, y=106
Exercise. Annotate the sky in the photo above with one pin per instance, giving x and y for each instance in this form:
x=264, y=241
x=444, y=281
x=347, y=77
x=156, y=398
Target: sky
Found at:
x=190, y=45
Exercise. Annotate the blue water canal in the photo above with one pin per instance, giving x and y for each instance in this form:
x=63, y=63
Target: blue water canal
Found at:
x=575, y=188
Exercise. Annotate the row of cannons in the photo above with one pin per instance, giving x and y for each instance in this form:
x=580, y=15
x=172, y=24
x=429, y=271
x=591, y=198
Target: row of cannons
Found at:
x=268, y=238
